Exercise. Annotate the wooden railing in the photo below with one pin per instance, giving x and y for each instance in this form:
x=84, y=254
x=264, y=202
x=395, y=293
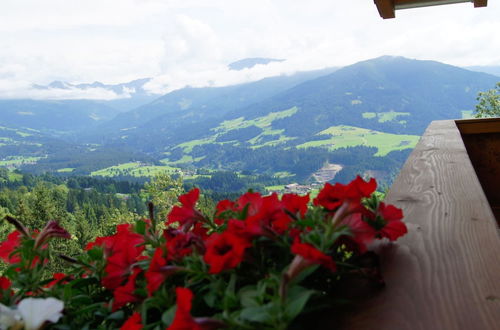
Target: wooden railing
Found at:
x=445, y=273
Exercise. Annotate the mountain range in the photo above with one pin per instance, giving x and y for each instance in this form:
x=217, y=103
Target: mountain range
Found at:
x=377, y=108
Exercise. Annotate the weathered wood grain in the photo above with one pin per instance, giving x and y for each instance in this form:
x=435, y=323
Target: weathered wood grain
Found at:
x=445, y=273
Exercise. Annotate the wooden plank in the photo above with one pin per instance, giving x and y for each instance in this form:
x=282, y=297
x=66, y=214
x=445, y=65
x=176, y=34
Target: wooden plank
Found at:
x=445, y=273
x=385, y=8
x=478, y=126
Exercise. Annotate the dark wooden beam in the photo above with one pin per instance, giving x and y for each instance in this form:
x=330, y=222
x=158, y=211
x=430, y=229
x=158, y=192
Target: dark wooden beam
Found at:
x=480, y=3
x=385, y=8
x=404, y=4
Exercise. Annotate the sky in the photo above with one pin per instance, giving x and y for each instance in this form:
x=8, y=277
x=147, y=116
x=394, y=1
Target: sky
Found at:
x=190, y=42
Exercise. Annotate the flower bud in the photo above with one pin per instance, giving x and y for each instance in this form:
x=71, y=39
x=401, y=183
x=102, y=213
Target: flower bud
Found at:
x=52, y=229
x=19, y=226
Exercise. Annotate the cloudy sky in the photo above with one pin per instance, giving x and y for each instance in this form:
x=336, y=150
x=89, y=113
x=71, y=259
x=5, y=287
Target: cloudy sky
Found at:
x=190, y=42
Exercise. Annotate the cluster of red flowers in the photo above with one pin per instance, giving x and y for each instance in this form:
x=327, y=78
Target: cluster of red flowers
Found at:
x=147, y=258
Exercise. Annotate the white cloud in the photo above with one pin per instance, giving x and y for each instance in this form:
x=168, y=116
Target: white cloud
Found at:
x=24, y=90
x=190, y=42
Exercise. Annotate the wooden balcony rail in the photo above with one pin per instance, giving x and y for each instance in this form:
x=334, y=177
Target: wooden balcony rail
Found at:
x=445, y=273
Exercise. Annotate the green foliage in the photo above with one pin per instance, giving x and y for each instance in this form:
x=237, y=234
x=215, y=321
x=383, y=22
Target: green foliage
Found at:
x=223, y=268
x=488, y=103
x=84, y=211
x=163, y=191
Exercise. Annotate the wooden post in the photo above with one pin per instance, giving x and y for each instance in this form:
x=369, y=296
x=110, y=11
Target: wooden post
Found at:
x=385, y=8
x=480, y=3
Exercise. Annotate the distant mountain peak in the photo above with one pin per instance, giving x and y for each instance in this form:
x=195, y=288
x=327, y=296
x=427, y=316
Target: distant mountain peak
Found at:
x=134, y=86
x=59, y=84
x=248, y=63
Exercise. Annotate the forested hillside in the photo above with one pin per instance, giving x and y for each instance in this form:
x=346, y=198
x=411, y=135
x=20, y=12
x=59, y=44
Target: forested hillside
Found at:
x=365, y=118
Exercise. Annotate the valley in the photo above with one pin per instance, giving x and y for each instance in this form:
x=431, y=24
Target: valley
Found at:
x=365, y=118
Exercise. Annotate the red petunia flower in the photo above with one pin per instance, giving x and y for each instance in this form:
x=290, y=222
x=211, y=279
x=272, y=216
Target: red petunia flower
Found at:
x=158, y=271
x=295, y=204
x=239, y=229
x=331, y=197
x=270, y=219
x=183, y=319
x=362, y=233
x=8, y=246
x=393, y=227
x=225, y=205
x=359, y=188
x=125, y=294
x=312, y=255
x=5, y=285
x=124, y=232
x=224, y=251
x=179, y=246
x=124, y=250
x=386, y=222
x=134, y=322
x=253, y=202
x=186, y=215
x=57, y=277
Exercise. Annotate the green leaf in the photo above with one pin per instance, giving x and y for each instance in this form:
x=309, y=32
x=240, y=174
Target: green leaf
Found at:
x=68, y=292
x=116, y=316
x=168, y=317
x=84, y=282
x=248, y=296
x=210, y=299
x=90, y=308
x=230, y=299
x=305, y=273
x=140, y=227
x=96, y=253
x=258, y=314
x=297, y=300
x=81, y=300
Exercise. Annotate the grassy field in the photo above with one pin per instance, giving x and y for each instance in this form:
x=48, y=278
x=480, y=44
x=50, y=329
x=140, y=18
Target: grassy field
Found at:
x=65, y=170
x=186, y=159
x=349, y=136
x=264, y=123
x=275, y=188
x=386, y=116
x=136, y=169
x=13, y=176
x=17, y=131
x=16, y=161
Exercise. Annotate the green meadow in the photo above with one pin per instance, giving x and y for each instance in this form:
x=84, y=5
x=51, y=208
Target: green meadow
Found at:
x=383, y=117
x=264, y=123
x=16, y=161
x=349, y=136
x=135, y=169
